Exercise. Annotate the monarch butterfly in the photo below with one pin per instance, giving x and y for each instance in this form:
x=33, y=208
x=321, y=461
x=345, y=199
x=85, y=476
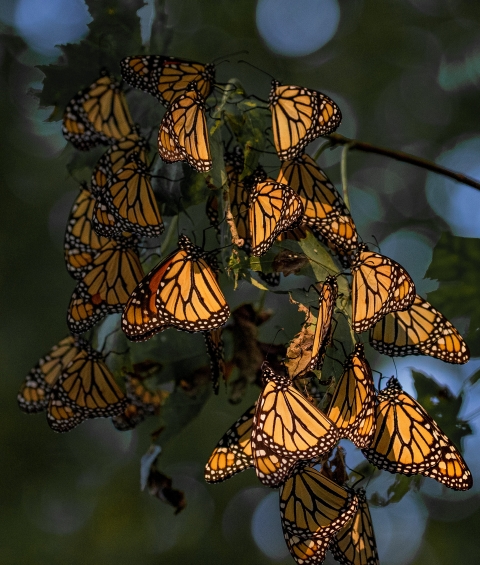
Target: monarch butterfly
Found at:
x=451, y=469
x=183, y=134
x=116, y=157
x=233, y=452
x=182, y=291
x=85, y=389
x=299, y=116
x=106, y=287
x=313, y=506
x=352, y=408
x=286, y=429
x=406, y=438
x=273, y=208
x=129, y=197
x=35, y=390
x=81, y=241
x=167, y=78
x=215, y=349
x=98, y=114
x=142, y=402
x=420, y=330
x=328, y=298
x=380, y=286
x=355, y=543
x=296, y=234
x=324, y=210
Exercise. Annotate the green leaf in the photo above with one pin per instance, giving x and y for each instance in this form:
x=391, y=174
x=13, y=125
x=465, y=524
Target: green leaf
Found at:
x=113, y=34
x=396, y=491
x=455, y=264
x=442, y=406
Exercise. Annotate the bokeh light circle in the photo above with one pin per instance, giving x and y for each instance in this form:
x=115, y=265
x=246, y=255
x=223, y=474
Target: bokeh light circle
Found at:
x=48, y=23
x=297, y=28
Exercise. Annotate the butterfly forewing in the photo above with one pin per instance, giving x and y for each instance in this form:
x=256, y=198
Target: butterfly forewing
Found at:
x=352, y=408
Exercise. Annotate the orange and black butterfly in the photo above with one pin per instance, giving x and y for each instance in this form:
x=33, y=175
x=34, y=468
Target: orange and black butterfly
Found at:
x=233, y=452
x=420, y=330
x=273, y=209
x=167, y=78
x=299, y=116
x=97, y=115
x=183, y=133
x=35, y=390
x=287, y=428
x=380, y=286
x=321, y=338
x=106, y=285
x=324, y=210
x=355, y=543
x=128, y=197
x=181, y=292
x=142, y=402
x=86, y=388
x=81, y=241
x=406, y=438
x=352, y=408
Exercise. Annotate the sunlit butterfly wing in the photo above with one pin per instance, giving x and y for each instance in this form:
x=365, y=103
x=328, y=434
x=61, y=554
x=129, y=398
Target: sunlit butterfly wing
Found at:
x=98, y=114
x=142, y=402
x=183, y=134
x=380, y=286
x=324, y=210
x=129, y=197
x=286, y=429
x=406, y=439
x=35, y=390
x=182, y=292
x=299, y=116
x=85, y=389
x=106, y=287
x=81, y=241
x=321, y=338
x=355, y=543
x=215, y=349
x=451, y=469
x=352, y=408
x=273, y=208
x=313, y=506
x=420, y=330
x=233, y=452
x=166, y=78
x=306, y=551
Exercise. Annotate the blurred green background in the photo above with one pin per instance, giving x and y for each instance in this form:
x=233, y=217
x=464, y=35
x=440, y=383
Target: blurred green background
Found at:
x=406, y=74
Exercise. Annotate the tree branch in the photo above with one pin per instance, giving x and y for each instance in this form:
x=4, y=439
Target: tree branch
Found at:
x=230, y=219
x=337, y=139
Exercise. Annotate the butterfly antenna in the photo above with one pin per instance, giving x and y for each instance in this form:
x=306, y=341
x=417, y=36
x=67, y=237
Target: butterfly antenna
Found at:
x=242, y=61
x=223, y=58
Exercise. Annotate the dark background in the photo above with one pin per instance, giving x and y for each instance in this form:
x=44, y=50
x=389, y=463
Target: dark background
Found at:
x=406, y=75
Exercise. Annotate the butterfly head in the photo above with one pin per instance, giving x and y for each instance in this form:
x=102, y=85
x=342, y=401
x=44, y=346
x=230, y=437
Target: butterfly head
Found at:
x=192, y=86
x=359, y=350
x=209, y=73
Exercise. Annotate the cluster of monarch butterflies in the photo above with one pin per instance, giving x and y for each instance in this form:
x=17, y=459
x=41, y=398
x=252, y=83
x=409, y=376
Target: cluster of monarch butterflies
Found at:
x=284, y=436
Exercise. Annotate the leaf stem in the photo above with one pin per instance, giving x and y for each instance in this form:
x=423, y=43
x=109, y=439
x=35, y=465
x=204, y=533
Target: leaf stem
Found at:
x=337, y=139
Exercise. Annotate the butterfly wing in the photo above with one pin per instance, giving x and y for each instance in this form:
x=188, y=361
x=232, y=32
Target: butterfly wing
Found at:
x=233, y=452
x=35, y=390
x=380, y=286
x=451, y=469
x=306, y=551
x=352, y=408
x=321, y=337
x=273, y=208
x=106, y=287
x=313, y=506
x=299, y=116
x=81, y=241
x=85, y=389
x=355, y=543
x=286, y=429
x=166, y=78
x=324, y=210
x=420, y=330
x=406, y=439
x=183, y=134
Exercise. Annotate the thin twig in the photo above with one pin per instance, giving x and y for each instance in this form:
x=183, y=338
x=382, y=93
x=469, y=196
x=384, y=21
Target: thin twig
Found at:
x=236, y=240
x=338, y=139
x=343, y=172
